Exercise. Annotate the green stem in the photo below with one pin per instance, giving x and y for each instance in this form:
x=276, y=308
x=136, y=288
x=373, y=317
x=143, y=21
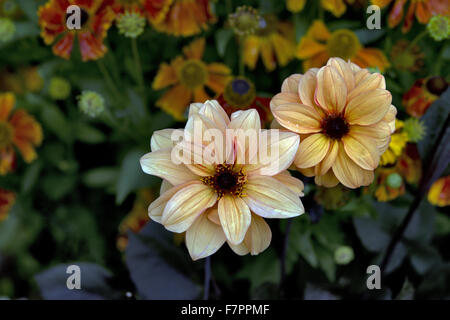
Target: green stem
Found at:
x=320, y=9
x=241, y=56
x=416, y=39
x=137, y=62
x=108, y=79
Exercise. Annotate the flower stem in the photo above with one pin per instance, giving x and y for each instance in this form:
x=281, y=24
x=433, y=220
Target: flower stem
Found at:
x=241, y=56
x=207, y=278
x=439, y=161
x=137, y=62
x=416, y=39
x=283, y=255
x=109, y=82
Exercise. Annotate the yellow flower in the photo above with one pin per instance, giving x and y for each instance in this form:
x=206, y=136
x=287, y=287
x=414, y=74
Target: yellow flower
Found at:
x=224, y=198
x=319, y=44
x=439, y=194
x=186, y=18
x=187, y=77
x=273, y=40
x=399, y=139
x=345, y=118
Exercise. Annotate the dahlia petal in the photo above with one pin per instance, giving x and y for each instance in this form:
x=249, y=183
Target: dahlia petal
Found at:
x=258, y=236
x=362, y=150
x=269, y=198
x=331, y=91
x=159, y=163
x=348, y=172
x=240, y=249
x=369, y=83
x=327, y=180
x=294, y=184
x=307, y=87
x=235, y=218
x=290, y=84
x=324, y=166
x=186, y=205
x=156, y=208
x=280, y=149
x=296, y=117
x=344, y=70
x=212, y=110
x=312, y=150
x=162, y=139
x=204, y=238
x=246, y=120
x=213, y=215
x=367, y=109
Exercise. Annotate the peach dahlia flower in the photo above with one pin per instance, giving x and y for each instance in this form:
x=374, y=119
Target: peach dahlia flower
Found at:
x=226, y=199
x=345, y=119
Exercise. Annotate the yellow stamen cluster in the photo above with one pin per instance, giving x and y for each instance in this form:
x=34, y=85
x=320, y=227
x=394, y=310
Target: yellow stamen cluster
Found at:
x=343, y=44
x=226, y=181
x=193, y=73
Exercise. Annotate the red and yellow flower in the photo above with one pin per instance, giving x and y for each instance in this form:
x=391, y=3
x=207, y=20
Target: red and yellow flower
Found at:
x=422, y=9
x=96, y=18
x=439, y=194
x=273, y=40
x=319, y=44
x=240, y=94
x=184, y=17
x=187, y=76
x=422, y=94
x=154, y=10
x=389, y=184
x=345, y=118
x=7, y=199
x=17, y=129
x=224, y=199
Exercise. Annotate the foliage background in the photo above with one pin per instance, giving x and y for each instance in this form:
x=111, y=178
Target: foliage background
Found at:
x=72, y=199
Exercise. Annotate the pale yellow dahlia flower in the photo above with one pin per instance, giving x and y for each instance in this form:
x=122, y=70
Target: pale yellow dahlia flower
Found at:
x=345, y=119
x=225, y=199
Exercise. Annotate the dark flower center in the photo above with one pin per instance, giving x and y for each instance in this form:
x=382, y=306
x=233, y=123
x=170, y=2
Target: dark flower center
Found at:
x=84, y=16
x=239, y=92
x=335, y=127
x=240, y=86
x=437, y=85
x=226, y=181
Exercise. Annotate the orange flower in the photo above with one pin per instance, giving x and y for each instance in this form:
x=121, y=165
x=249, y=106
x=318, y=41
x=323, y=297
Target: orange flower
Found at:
x=422, y=94
x=18, y=129
x=409, y=165
x=389, y=184
x=96, y=18
x=7, y=199
x=274, y=40
x=422, y=9
x=439, y=194
x=319, y=44
x=226, y=199
x=345, y=118
x=240, y=94
x=185, y=17
x=22, y=80
x=187, y=77
x=136, y=218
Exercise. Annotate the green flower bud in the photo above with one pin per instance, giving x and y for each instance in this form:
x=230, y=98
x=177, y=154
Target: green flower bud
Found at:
x=439, y=27
x=415, y=129
x=343, y=255
x=394, y=180
x=244, y=21
x=91, y=103
x=59, y=88
x=7, y=29
x=131, y=24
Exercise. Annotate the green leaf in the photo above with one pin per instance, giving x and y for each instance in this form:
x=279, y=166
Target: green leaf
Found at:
x=260, y=269
x=31, y=175
x=305, y=249
x=57, y=186
x=55, y=121
x=326, y=261
x=407, y=291
x=223, y=36
x=372, y=236
x=131, y=176
x=89, y=134
x=424, y=258
x=101, y=177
